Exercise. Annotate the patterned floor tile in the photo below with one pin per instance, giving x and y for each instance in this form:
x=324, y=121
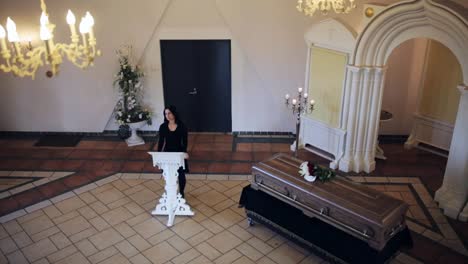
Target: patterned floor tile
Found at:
x=67, y=231
x=424, y=217
x=20, y=181
x=117, y=187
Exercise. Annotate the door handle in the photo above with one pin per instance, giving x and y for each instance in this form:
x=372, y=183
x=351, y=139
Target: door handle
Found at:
x=194, y=92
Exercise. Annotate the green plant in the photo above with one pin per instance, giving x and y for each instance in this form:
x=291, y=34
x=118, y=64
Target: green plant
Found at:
x=128, y=79
x=323, y=173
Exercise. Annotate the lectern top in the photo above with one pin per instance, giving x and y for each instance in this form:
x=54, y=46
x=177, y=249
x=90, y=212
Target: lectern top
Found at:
x=176, y=158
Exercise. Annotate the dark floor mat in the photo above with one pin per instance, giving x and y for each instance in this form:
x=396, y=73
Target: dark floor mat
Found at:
x=58, y=141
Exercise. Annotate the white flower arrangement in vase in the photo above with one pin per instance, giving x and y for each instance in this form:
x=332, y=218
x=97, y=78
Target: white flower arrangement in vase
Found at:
x=128, y=79
x=129, y=112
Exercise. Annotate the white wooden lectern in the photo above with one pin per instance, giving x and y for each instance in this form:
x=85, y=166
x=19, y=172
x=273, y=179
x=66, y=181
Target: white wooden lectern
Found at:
x=171, y=202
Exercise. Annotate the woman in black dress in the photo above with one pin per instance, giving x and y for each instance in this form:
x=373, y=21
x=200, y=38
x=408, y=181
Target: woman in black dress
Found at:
x=173, y=138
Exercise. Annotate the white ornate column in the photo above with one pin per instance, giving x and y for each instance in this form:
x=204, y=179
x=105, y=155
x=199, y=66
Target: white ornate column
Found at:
x=376, y=83
x=171, y=202
x=363, y=100
x=453, y=194
x=351, y=96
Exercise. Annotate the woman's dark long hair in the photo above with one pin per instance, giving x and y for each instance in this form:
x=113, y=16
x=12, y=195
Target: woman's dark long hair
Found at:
x=174, y=113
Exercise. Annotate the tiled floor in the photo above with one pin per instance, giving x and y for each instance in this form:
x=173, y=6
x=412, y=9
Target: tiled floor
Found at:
x=100, y=212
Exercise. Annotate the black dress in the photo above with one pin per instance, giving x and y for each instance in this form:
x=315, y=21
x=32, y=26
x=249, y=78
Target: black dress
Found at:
x=175, y=141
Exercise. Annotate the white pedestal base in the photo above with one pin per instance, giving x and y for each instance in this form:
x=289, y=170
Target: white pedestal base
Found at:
x=134, y=139
x=450, y=202
x=179, y=207
x=171, y=202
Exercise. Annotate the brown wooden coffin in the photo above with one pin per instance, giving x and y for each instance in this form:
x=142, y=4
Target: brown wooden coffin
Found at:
x=356, y=209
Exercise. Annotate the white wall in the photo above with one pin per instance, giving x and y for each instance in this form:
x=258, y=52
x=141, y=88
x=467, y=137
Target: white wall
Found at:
x=268, y=59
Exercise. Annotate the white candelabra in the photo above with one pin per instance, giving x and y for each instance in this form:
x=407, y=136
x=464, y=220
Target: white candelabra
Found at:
x=171, y=202
x=299, y=106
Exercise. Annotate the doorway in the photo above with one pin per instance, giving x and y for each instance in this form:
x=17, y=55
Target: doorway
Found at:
x=421, y=92
x=197, y=80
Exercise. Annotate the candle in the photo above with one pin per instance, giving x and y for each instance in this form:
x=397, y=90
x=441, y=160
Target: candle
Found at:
x=13, y=35
x=287, y=96
x=305, y=95
x=11, y=28
x=299, y=89
x=44, y=19
x=71, y=22
x=17, y=48
x=48, y=50
x=91, y=39
x=2, y=38
x=51, y=44
x=84, y=28
x=44, y=33
x=85, y=44
x=294, y=101
x=90, y=23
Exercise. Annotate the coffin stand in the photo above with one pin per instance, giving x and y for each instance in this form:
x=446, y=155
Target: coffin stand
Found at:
x=341, y=220
x=171, y=202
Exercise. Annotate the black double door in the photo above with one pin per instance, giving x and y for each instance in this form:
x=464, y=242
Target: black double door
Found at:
x=197, y=80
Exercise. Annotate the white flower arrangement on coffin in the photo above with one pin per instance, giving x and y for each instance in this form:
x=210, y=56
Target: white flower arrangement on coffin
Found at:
x=304, y=171
x=128, y=78
x=311, y=172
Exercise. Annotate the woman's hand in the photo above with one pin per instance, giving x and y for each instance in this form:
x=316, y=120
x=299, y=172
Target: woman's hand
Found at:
x=186, y=156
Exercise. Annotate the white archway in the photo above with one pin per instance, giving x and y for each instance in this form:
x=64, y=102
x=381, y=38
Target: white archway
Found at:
x=365, y=81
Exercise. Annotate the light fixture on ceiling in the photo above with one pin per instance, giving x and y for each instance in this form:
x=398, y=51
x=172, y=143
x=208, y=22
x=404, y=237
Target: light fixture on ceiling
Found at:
x=308, y=7
x=22, y=59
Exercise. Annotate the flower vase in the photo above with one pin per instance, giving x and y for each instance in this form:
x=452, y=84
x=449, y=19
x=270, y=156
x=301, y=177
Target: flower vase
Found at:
x=134, y=139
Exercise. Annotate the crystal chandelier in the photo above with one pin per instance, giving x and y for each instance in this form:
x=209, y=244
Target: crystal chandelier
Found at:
x=308, y=7
x=22, y=59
